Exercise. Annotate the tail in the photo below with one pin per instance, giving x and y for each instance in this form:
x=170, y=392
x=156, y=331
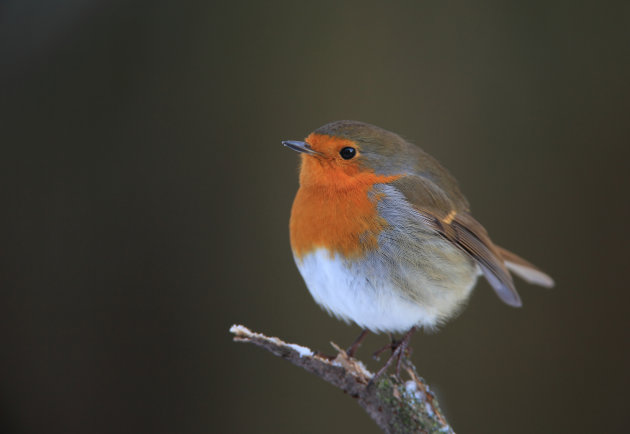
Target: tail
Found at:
x=525, y=270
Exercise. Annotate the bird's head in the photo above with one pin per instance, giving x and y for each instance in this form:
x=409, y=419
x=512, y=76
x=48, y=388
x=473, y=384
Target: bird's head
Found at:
x=344, y=153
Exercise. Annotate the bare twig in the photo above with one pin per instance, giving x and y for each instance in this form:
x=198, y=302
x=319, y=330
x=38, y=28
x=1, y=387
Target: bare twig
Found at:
x=396, y=406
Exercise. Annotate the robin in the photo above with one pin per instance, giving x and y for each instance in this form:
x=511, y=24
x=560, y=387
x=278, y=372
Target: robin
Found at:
x=383, y=236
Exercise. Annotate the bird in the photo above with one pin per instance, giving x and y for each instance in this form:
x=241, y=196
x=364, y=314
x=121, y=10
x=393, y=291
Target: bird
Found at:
x=384, y=238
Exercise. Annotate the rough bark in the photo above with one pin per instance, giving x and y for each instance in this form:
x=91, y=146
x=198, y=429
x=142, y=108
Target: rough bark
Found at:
x=395, y=405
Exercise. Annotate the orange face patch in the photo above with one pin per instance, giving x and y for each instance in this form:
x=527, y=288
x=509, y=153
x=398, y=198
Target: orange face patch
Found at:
x=332, y=208
x=329, y=168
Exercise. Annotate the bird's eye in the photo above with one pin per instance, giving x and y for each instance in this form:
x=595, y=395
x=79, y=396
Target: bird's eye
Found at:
x=347, y=153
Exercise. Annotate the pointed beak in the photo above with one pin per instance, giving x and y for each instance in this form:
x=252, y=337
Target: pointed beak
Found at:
x=298, y=146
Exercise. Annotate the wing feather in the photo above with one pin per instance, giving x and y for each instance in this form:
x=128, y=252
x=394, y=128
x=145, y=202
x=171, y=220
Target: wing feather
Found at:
x=449, y=217
x=467, y=234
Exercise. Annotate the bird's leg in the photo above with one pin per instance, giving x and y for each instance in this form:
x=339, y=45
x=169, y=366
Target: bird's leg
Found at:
x=398, y=352
x=404, y=345
x=357, y=343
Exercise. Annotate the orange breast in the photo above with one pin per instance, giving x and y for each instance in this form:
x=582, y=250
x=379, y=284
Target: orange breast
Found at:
x=338, y=215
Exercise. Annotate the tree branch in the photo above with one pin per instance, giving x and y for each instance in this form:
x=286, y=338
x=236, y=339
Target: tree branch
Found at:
x=396, y=406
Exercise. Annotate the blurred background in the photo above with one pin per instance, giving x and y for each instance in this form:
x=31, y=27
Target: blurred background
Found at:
x=146, y=195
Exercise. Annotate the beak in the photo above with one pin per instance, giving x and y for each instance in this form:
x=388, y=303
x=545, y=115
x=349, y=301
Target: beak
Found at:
x=298, y=146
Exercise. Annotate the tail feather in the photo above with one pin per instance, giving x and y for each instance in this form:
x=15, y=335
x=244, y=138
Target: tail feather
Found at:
x=524, y=269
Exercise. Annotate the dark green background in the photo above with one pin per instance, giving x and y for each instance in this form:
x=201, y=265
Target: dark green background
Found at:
x=145, y=202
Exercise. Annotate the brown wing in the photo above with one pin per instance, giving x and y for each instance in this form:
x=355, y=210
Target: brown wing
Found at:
x=450, y=218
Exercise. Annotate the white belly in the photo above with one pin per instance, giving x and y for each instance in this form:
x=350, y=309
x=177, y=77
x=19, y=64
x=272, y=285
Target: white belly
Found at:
x=345, y=290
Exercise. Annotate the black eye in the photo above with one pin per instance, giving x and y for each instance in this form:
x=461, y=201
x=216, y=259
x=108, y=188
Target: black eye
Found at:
x=347, y=153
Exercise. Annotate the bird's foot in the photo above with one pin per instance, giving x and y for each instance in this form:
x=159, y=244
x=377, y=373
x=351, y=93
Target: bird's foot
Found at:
x=391, y=345
x=399, y=349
